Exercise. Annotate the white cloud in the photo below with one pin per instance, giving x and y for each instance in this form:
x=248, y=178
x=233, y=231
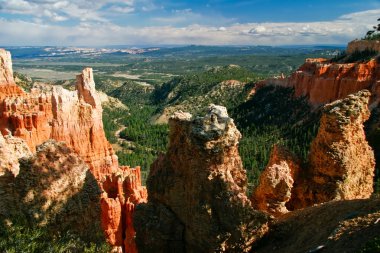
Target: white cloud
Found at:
x=53, y=10
x=126, y=9
x=97, y=32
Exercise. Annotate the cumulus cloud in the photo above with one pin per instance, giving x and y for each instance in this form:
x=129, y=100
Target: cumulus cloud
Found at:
x=339, y=31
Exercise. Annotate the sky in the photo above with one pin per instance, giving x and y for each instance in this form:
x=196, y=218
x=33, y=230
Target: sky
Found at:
x=171, y=22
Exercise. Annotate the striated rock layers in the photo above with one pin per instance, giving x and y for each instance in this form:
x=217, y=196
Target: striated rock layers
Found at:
x=197, y=191
x=122, y=191
x=276, y=182
x=323, y=82
x=72, y=117
x=341, y=163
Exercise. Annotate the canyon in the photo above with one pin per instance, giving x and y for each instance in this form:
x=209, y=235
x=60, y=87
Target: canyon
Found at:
x=58, y=169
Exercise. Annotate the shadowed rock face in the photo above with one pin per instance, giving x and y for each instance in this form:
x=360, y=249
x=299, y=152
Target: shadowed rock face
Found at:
x=11, y=150
x=52, y=188
x=197, y=200
x=341, y=163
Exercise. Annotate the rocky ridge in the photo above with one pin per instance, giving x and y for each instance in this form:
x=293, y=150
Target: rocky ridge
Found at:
x=74, y=117
x=323, y=82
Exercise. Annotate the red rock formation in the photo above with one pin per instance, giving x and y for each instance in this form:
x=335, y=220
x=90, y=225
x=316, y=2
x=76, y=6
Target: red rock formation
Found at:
x=74, y=117
x=324, y=82
x=341, y=162
x=82, y=118
x=197, y=191
x=123, y=191
x=276, y=182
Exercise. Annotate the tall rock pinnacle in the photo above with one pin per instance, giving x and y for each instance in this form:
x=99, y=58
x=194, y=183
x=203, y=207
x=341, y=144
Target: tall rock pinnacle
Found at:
x=6, y=71
x=86, y=88
x=198, y=191
x=341, y=163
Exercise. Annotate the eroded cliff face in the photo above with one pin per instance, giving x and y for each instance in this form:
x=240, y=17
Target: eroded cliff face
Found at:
x=74, y=118
x=341, y=163
x=197, y=191
x=323, y=82
x=122, y=192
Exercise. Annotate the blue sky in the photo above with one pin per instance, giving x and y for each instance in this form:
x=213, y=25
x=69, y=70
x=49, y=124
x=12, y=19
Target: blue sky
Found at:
x=212, y=22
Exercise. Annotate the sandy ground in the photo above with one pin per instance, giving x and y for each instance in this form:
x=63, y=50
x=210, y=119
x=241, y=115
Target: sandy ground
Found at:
x=47, y=74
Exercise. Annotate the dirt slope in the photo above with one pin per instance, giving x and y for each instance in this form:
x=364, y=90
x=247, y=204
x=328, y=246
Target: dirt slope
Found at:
x=338, y=226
